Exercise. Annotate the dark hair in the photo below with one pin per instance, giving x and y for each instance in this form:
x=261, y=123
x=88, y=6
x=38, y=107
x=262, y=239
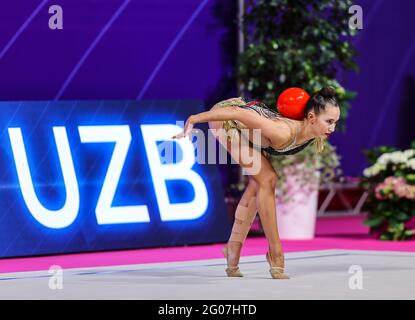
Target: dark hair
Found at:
x=319, y=100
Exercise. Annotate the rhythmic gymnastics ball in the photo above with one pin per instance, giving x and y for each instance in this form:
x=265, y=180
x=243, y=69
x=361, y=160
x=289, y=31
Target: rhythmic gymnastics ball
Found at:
x=291, y=103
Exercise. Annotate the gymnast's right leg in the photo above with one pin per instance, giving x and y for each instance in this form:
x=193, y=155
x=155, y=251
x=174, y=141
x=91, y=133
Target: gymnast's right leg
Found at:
x=244, y=216
x=246, y=208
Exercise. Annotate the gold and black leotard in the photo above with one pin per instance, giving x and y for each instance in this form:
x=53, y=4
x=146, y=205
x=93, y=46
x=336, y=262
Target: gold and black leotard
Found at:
x=263, y=111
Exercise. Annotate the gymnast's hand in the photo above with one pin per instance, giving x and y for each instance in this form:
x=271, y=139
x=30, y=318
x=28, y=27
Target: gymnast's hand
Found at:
x=188, y=126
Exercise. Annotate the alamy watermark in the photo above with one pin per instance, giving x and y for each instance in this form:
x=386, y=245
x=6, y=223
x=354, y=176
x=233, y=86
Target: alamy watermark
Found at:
x=356, y=20
x=244, y=146
x=56, y=279
x=56, y=20
x=356, y=279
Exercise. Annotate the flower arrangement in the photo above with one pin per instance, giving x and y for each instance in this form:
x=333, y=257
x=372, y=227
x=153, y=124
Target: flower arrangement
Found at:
x=390, y=182
x=308, y=169
x=394, y=186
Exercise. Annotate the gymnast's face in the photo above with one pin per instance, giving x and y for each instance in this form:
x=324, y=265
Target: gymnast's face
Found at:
x=325, y=123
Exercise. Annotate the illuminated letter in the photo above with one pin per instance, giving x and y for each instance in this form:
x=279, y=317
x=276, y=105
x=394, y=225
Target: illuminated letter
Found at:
x=182, y=170
x=50, y=218
x=121, y=135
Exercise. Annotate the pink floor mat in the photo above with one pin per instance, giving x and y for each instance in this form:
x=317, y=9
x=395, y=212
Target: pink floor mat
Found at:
x=331, y=233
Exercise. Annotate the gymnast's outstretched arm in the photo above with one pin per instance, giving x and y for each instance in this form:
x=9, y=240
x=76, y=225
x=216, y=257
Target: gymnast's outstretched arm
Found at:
x=269, y=129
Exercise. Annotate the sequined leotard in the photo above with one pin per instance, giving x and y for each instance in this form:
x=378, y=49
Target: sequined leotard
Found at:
x=264, y=111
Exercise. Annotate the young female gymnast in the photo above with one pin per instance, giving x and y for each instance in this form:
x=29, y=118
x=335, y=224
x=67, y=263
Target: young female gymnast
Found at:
x=279, y=136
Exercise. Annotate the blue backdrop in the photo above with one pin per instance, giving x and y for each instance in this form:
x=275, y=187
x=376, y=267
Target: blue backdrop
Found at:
x=94, y=175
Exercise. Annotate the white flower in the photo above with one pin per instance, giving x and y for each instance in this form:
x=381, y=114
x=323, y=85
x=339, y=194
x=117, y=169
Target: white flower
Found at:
x=409, y=153
x=366, y=172
x=396, y=157
x=405, y=158
x=374, y=170
x=411, y=164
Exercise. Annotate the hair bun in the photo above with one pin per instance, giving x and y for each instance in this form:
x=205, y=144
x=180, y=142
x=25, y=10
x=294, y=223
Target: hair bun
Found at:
x=327, y=92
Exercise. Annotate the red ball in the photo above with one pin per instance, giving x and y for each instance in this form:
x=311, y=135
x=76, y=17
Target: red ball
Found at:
x=291, y=103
